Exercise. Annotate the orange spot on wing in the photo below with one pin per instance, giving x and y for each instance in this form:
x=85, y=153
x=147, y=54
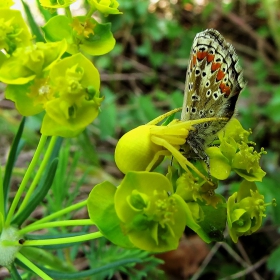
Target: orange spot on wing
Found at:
x=201, y=55
x=220, y=75
x=225, y=89
x=210, y=57
x=215, y=66
x=194, y=60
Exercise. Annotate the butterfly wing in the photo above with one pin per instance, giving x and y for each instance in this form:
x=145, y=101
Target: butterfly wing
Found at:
x=213, y=83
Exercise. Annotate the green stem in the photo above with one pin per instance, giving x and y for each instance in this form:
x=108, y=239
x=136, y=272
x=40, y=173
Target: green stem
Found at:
x=2, y=201
x=90, y=12
x=33, y=267
x=39, y=174
x=25, y=179
x=64, y=240
x=273, y=22
x=62, y=212
x=68, y=12
x=33, y=227
x=14, y=272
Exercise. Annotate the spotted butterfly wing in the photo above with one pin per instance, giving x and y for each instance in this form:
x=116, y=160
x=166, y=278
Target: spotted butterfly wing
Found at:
x=213, y=83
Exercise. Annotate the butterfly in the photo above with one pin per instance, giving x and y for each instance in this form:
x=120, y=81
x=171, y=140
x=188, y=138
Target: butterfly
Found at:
x=214, y=81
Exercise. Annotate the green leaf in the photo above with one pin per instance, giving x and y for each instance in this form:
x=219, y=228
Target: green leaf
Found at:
x=87, y=273
x=273, y=261
x=14, y=272
x=32, y=23
x=46, y=258
x=214, y=222
x=101, y=42
x=108, y=116
x=45, y=13
x=38, y=195
x=88, y=148
x=24, y=103
x=54, y=34
x=11, y=160
x=219, y=164
x=101, y=209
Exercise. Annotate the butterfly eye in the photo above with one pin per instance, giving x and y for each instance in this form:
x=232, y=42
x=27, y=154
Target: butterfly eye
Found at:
x=203, y=73
x=197, y=72
x=211, y=112
x=207, y=84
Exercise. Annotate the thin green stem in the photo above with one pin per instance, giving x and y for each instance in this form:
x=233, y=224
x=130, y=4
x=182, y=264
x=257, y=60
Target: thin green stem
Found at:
x=39, y=174
x=68, y=12
x=30, y=228
x=14, y=272
x=25, y=179
x=33, y=267
x=62, y=212
x=90, y=12
x=2, y=201
x=64, y=240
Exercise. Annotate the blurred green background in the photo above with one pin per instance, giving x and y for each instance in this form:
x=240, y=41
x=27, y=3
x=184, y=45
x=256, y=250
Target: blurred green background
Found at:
x=144, y=77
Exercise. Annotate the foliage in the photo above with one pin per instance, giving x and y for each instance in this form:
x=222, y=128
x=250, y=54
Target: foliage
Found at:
x=142, y=77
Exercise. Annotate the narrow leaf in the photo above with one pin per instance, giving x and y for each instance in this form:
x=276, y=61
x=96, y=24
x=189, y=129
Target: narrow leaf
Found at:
x=11, y=161
x=33, y=26
x=38, y=195
x=90, y=272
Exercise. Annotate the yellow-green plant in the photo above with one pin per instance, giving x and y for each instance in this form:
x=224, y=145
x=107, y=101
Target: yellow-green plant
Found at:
x=147, y=210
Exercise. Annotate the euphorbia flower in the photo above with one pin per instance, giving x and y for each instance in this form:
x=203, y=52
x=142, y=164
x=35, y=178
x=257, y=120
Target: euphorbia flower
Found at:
x=245, y=210
x=206, y=210
x=28, y=62
x=55, y=4
x=83, y=29
x=14, y=32
x=106, y=6
x=6, y=3
x=75, y=84
x=235, y=130
x=246, y=163
x=236, y=153
x=81, y=33
x=26, y=73
x=152, y=217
